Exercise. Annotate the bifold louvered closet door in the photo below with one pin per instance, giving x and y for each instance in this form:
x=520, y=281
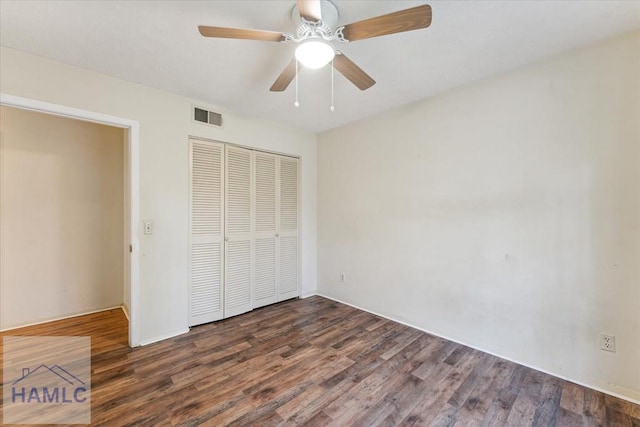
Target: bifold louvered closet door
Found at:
x=207, y=190
x=265, y=242
x=288, y=229
x=238, y=233
x=253, y=198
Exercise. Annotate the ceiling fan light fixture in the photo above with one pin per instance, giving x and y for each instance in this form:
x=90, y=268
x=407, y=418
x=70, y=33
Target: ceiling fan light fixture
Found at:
x=314, y=53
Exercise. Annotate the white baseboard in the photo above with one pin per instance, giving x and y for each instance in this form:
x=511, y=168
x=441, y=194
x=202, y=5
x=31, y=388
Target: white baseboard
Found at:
x=163, y=337
x=563, y=377
x=84, y=313
x=125, y=310
x=308, y=294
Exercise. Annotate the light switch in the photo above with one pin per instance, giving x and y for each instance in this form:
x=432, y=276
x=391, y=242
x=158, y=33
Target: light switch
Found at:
x=148, y=227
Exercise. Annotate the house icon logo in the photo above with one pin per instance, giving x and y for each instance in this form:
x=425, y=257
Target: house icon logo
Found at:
x=46, y=380
x=48, y=384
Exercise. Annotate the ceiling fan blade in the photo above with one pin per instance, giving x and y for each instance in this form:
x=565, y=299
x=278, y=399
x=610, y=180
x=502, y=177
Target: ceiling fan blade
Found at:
x=237, y=33
x=285, y=77
x=396, y=22
x=352, y=72
x=310, y=10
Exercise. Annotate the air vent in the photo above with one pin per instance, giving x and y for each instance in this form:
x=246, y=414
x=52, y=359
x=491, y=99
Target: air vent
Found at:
x=209, y=117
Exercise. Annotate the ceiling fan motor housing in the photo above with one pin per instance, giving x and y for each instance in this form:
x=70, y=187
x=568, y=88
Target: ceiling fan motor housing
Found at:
x=329, y=13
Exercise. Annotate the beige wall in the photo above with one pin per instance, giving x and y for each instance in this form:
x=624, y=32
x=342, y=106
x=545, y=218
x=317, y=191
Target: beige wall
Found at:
x=504, y=214
x=62, y=222
x=164, y=128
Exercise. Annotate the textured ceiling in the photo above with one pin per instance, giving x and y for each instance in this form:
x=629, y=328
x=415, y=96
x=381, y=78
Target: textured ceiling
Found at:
x=156, y=43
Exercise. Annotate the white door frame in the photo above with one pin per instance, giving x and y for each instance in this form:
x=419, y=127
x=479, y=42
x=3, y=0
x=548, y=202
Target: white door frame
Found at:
x=133, y=171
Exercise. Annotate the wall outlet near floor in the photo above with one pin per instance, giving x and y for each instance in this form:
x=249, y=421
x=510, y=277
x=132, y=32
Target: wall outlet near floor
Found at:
x=608, y=342
x=343, y=278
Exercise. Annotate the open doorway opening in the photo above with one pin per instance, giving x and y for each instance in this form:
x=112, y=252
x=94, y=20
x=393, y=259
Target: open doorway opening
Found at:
x=69, y=205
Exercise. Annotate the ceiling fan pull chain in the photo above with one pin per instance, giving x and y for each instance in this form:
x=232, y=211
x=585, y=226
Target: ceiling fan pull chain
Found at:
x=332, y=108
x=297, y=104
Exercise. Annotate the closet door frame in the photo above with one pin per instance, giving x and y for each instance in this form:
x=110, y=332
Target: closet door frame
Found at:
x=254, y=233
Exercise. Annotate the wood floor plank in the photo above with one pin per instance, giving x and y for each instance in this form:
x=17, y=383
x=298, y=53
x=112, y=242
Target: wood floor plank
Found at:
x=528, y=399
x=462, y=393
x=618, y=418
x=500, y=407
x=547, y=412
x=316, y=362
x=567, y=418
x=437, y=390
x=572, y=398
x=387, y=399
x=303, y=399
x=594, y=410
x=623, y=406
x=371, y=390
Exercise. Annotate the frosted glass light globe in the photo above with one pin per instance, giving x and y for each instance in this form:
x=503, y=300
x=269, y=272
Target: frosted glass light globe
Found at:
x=314, y=54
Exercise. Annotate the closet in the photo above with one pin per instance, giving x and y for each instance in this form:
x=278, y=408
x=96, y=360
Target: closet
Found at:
x=245, y=219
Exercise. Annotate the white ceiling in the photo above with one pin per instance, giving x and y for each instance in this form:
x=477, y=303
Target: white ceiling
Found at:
x=156, y=43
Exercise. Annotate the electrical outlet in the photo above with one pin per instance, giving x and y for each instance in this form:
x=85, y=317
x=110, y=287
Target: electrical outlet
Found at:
x=343, y=278
x=608, y=342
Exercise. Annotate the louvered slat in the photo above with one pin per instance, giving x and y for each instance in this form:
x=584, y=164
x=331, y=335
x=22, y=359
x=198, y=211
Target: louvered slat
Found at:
x=265, y=192
x=206, y=188
x=265, y=272
x=238, y=190
x=288, y=265
x=238, y=276
x=288, y=194
x=205, y=278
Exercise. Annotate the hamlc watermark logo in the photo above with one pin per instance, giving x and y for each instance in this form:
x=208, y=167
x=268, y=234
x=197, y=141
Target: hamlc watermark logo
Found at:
x=47, y=380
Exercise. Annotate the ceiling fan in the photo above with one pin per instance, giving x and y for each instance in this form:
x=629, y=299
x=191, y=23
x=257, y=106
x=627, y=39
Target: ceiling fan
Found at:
x=317, y=30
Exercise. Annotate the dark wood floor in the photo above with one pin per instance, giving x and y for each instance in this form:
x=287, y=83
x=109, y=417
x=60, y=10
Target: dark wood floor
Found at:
x=317, y=362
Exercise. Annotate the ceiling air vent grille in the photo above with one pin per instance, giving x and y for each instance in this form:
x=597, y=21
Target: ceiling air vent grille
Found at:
x=209, y=117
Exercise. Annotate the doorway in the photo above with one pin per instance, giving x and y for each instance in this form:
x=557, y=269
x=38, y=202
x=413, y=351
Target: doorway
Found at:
x=125, y=266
